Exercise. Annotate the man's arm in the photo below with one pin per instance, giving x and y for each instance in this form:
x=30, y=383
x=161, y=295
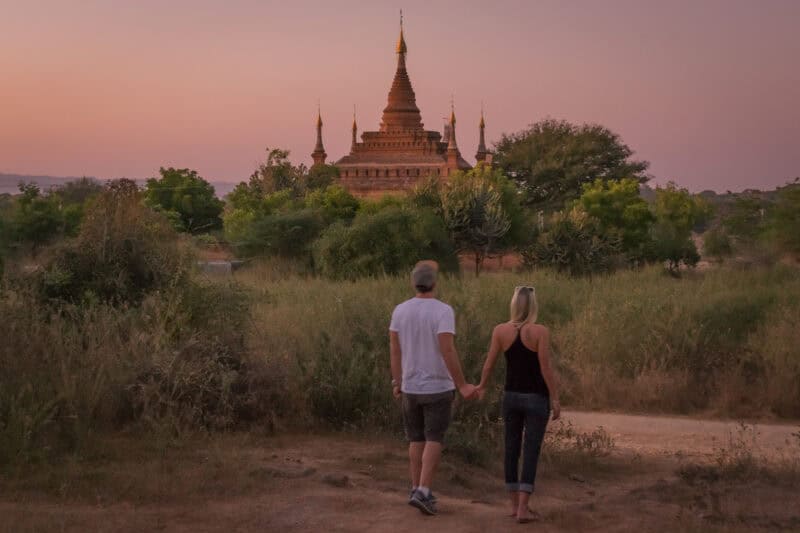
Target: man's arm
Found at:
x=395, y=359
x=448, y=348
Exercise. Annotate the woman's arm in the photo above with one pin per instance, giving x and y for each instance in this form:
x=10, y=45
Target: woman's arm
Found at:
x=549, y=375
x=491, y=359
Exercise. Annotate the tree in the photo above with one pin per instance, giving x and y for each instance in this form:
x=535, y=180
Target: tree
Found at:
x=677, y=212
x=273, y=175
x=552, y=159
x=36, y=218
x=191, y=198
x=333, y=202
x=745, y=220
x=287, y=234
x=473, y=211
x=124, y=250
x=387, y=242
x=619, y=208
x=321, y=176
x=576, y=244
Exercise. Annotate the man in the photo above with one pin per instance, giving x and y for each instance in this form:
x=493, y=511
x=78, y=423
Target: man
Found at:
x=425, y=373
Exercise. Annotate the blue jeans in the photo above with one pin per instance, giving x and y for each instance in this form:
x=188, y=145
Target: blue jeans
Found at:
x=528, y=412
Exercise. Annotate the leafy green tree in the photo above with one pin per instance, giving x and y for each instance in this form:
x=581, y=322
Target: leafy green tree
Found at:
x=552, y=159
x=575, y=243
x=474, y=214
x=389, y=241
x=286, y=234
x=619, y=208
x=184, y=192
x=273, y=175
x=37, y=218
x=677, y=212
x=333, y=202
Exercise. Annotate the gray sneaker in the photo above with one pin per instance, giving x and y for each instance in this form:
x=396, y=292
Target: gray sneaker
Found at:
x=426, y=505
x=432, y=497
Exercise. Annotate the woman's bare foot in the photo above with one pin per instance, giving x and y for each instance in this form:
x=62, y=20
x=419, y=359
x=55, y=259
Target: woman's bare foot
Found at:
x=525, y=515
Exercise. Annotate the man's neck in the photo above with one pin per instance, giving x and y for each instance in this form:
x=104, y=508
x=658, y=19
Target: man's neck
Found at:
x=425, y=295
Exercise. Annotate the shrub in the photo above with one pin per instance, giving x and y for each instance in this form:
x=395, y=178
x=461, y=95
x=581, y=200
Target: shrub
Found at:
x=286, y=234
x=575, y=244
x=387, y=242
x=123, y=251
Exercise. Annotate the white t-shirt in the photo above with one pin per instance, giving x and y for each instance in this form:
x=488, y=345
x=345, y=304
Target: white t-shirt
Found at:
x=418, y=322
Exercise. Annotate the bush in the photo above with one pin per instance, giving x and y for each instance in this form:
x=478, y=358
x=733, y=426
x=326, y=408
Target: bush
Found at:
x=123, y=251
x=286, y=234
x=575, y=244
x=387, y=242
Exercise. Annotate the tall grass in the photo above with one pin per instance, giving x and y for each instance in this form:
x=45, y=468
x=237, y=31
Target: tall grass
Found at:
x=721, y=341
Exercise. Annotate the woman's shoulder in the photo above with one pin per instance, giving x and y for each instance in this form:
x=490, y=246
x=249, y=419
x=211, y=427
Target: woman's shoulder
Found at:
x=536, y=330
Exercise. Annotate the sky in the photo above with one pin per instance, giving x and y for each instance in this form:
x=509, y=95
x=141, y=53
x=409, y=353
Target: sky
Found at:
x=708, y=91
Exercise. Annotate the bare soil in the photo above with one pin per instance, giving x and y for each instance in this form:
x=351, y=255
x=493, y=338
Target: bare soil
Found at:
x=347, y=482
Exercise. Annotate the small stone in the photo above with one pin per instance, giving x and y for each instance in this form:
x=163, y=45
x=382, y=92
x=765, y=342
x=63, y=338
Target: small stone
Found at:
x=576, y=478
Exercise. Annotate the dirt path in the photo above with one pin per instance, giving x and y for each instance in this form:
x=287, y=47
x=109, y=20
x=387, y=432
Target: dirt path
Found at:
x=659, y=435
x=339, y=483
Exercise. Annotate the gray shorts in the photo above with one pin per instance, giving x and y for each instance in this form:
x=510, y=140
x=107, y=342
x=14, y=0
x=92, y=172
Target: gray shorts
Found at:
x=427, y=416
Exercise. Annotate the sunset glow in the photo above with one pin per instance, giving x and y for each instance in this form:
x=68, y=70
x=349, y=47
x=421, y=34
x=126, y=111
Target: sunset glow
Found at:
x=706, y=91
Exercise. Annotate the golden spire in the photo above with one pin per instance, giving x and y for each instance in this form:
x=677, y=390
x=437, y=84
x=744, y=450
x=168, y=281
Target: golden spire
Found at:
x=319, y=115
x=482, y=124
x=452, y=111
x=354, y=117
x=401, y=42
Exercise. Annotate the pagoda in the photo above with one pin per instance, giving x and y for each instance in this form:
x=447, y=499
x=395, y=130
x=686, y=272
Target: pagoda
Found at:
x=402, y=152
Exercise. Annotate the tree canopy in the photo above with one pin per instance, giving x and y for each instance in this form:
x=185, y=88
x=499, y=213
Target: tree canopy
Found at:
x=552, y=159
x=186, y=198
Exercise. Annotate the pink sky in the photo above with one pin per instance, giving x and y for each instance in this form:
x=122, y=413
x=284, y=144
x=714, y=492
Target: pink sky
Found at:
x=707, y=91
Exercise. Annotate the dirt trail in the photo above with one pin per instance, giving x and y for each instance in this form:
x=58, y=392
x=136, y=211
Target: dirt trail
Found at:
x=652, y=434
x=339, y=483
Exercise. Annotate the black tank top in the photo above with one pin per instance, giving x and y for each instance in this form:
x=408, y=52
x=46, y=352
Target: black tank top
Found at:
x=523, y=373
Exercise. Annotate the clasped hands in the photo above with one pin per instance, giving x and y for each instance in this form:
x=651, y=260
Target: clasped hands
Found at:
x=471, y=392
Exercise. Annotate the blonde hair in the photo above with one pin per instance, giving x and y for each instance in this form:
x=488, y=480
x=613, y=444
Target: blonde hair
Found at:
x=524, y=307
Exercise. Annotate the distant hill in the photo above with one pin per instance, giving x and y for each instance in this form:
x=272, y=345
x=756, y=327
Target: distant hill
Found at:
x=9, y=183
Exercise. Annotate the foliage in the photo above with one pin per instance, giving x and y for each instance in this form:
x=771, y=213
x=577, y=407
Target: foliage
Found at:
x=36, y=218
x=552, y=159
x=274, y=175
x=188, y=198
x=619, y=208
x=745, y=220
x=387, y=242
x=321, y=176
x=677, y=212
x=124, y=250
x=283, y=233
x=574, y=243
x=475, y=208
x=333, y=203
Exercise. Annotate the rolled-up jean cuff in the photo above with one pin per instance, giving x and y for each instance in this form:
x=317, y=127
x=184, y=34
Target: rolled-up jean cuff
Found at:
x=525, y=487
x=512, y=487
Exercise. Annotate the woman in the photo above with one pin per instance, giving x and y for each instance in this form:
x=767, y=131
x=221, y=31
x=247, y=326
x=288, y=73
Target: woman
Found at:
x=531, y=391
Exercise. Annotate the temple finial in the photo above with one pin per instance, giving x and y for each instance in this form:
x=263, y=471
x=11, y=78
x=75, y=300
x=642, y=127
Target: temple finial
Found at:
x=401, y=42
x=319, y=155
x=452, y=110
